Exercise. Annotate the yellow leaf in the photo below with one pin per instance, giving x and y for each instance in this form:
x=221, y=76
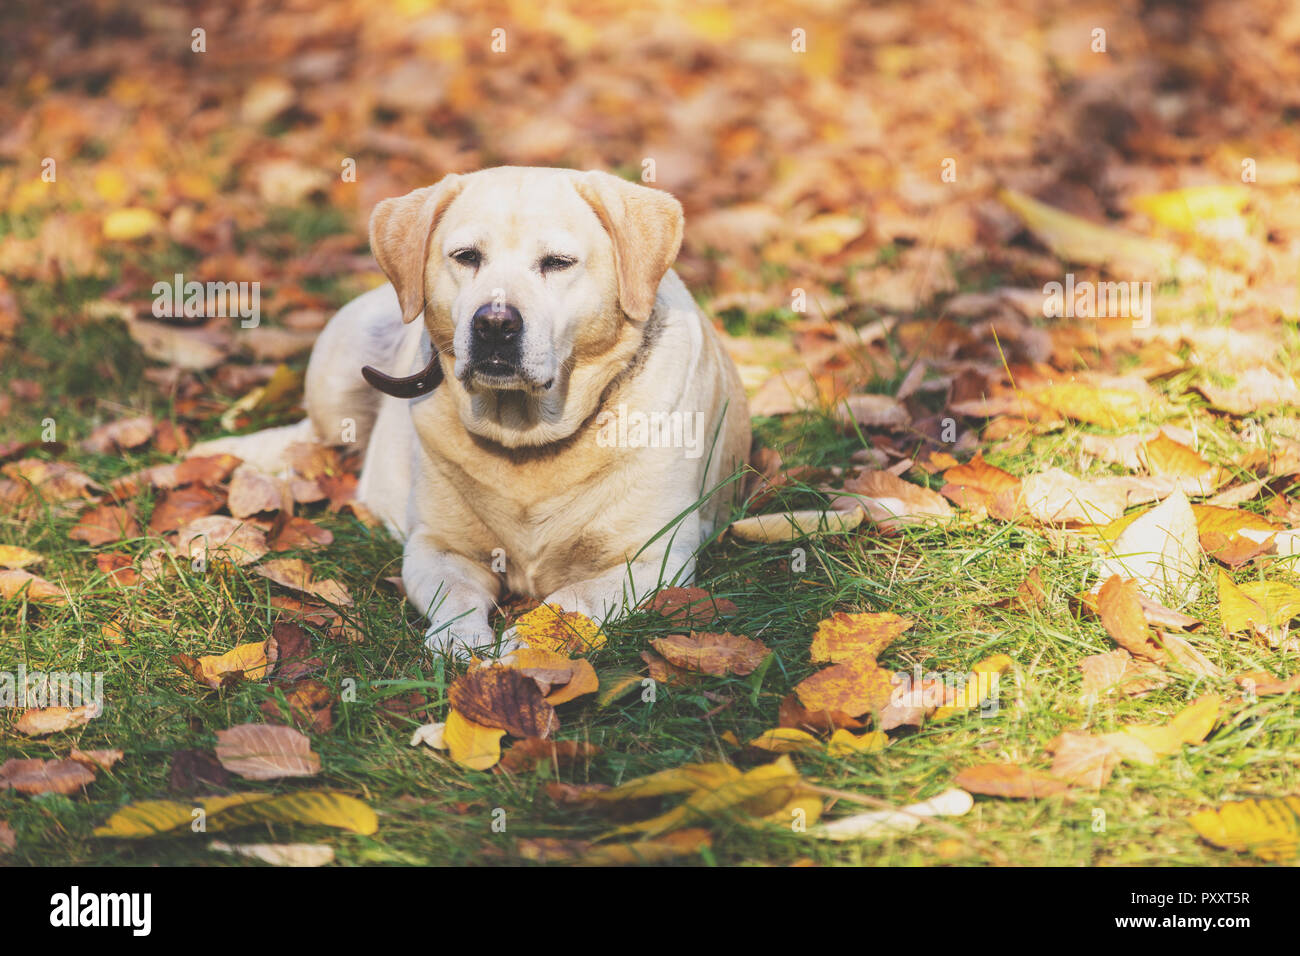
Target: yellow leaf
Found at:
x=757, y=792
x=1107, y=407
x=12, y=556
x=979, y=685
x=110, y=185
x=472, y=745
x=843, y=743
x=668, y=847
x=1191, y=725
x=1257, y=605
x=683, y=779
x=131, y=223
x=783, y=740
x=554, y=629
x=1078, y=240
x=146, y=818
x=1270, y=829
x=1186, y=209
x=843, y=636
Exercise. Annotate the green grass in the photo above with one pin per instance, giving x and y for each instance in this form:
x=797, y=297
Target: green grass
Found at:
x=433, y=811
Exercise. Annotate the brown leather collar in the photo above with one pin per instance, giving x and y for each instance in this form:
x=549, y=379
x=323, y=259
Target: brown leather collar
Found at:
x=411, y=386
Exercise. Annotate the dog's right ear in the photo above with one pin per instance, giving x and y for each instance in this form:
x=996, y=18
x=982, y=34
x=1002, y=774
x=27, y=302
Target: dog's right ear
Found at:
x=400, y=230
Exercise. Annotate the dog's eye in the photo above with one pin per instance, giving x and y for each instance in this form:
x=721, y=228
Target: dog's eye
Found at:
x=468, y=257
x=556, y=263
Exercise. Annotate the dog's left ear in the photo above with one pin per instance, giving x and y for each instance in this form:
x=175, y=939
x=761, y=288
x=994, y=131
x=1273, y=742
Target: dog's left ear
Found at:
x=646, y=226
x=400, y=230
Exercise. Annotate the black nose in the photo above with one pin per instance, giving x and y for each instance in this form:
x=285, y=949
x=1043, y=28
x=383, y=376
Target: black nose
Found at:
x=496, y=327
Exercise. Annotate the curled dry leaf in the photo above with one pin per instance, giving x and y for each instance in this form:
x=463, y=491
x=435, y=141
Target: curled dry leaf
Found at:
x=96, y=759
x=504, y=698
x=44, y=776
x=266, y=752
x=104, y=524
x=252, y=661
x=279, y=854
x=430, y=735
x=892, y=502
x=34, y=589
x=1120, y=610
x=252, y=491
x=39, y=721
x=690, y=606
x=710, y=653
x=295, y=574
x=533, y=752
x=561, y=679
x=124, y=434
x=793, y=525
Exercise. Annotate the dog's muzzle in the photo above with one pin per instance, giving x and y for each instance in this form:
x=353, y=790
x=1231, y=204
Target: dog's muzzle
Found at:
x=496, y=332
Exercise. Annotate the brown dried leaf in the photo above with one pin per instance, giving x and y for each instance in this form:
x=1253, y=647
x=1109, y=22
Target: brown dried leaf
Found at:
x=711, y=653
x=503, y=698
x=266, y=752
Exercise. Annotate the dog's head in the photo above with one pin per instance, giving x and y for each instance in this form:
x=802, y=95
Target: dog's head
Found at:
x=530, y=279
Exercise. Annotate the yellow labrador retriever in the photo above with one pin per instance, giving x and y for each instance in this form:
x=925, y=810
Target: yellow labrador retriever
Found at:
x=562, y=403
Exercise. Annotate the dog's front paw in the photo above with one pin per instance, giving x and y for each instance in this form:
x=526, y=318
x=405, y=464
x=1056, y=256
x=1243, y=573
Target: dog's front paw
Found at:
x=462, y=639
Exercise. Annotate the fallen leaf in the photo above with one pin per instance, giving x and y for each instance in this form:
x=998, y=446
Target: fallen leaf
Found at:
x=44, y=776
x=690, y=606
x=533, y=752
x=884, y=823
x=39, y=721
x=266, y=752
x=1268, y=828
x=565, y=632
x=793, y=525
x=503, y=698
x=279, y=854
x=710, y=653
x=845, y=636
x=12, y=556
x=1160, y=551
x=470, y=744
x=1009, y=780
x=34, y=589
x=1258, y=607
x=251, y=661
x=149, y=818
x=853, y=688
